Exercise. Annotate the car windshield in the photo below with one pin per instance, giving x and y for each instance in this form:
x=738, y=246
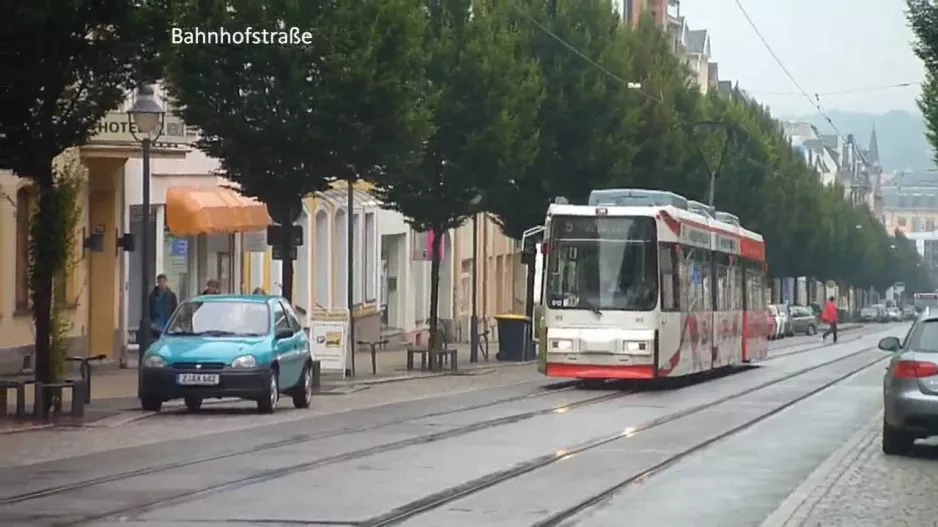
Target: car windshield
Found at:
x=868, y=310
x=602, y=263
x=220, y=318
x=924, y=337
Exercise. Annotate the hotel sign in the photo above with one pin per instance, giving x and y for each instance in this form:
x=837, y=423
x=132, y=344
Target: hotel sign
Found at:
x=117, y=129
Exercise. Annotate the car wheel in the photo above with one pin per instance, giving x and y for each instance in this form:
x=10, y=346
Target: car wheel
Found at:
x=267, y=403
x=896, y=442
x=150, y=403
x=193, y=404
x=303, y=392
x=812, y=330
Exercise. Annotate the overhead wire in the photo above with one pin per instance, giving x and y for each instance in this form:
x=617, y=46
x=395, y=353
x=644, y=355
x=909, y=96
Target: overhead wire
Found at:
x=632, y=86
x=867, y=89
x=814, y=101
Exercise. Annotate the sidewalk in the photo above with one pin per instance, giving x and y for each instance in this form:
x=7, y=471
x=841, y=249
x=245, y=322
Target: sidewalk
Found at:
x=115, y=390
x=858, y=486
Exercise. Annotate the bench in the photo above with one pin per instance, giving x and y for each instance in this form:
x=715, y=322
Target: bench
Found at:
x=18, y=384
x=84, y=369
x=374, y=351
x=432, y=358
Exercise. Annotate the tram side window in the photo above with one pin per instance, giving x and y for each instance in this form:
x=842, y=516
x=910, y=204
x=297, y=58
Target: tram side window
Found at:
x=723, y=286
x=696, y=278
x=670, y=285
x=737, y=273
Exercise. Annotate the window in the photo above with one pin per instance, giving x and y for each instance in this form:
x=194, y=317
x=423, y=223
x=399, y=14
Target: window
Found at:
x=371, y=258
x=219, y=319
x=930, y=225
x=670, y=281
x=358, y=277
x=24, y=209
x=603, y=263
x=923, y=337
x=292, y=319
x=280, y=317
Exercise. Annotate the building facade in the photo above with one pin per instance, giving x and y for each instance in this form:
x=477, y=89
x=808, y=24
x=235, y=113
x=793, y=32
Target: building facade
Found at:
x=910, y=203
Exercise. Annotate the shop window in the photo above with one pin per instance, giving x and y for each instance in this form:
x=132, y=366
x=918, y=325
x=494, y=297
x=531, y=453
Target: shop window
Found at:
x=322, y=255
x=341, y=260
x=371, y=258
x=358, y=284
x=24, y=206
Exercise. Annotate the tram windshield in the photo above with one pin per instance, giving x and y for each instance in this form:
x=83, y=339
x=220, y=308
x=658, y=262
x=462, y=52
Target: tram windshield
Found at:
x=602, y=263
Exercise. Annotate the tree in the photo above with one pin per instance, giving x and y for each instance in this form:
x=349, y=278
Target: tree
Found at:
x=288, y=118
x=65, y=66
x=484, y=94
x=923, y=17
x=587, y=120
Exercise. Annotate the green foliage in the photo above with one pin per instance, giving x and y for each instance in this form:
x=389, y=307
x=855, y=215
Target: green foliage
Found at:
x=923, y=17
x=286, y=120
x=66, y=64
x=483, y=95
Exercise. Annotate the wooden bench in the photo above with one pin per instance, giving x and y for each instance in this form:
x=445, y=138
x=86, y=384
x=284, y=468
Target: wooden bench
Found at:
x=432, y=358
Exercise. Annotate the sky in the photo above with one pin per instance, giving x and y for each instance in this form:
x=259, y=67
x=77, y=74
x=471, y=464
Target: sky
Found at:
x=826, y=45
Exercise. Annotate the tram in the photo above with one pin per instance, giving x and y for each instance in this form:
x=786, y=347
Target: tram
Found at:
x=641, y=284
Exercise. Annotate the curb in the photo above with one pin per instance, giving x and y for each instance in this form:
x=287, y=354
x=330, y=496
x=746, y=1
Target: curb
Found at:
x=25, y=429
x=801, y=502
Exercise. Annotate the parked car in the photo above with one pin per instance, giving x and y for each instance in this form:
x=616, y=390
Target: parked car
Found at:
x=910, y=386
x=881, y=314
x=776, y=318
x=803, y=320
x=909, y=313
x=246, y=346
x=893, y=314
x=785, y=329
x=869, y=314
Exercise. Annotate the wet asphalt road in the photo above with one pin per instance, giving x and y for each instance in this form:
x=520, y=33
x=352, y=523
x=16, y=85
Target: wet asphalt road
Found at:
x=515, y=456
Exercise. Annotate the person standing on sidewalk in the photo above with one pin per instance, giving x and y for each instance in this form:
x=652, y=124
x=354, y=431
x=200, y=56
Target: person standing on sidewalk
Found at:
x=831, y=318
x=212, y=287
x=163, y=302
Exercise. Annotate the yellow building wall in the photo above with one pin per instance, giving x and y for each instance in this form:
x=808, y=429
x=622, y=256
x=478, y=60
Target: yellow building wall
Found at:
x=16, y=327
x=499, y=271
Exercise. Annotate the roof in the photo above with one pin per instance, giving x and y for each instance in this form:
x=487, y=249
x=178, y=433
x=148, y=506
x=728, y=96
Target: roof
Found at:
x=697, y=41
x=339, y=197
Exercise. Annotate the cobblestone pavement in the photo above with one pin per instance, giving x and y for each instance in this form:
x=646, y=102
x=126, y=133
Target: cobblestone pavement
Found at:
x=46, y=445
x=861, y=487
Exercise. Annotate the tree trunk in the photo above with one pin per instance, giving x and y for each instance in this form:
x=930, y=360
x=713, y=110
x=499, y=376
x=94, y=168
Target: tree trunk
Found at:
x=435, y=287
x=43, y=272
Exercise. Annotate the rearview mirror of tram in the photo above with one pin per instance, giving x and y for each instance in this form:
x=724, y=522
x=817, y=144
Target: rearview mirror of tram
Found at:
x=602, y=263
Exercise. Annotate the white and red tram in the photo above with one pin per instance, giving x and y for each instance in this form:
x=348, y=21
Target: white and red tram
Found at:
x=645, y=284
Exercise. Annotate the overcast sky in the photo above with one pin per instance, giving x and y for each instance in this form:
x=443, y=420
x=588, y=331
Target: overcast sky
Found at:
x=827, y=45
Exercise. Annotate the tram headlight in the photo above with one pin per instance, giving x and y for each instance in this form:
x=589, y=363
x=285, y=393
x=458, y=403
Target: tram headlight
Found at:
x=638, y=348
x=561, y=345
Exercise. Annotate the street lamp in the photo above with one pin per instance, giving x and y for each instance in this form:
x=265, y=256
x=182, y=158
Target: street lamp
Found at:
x=474, y=318
x=146, y=118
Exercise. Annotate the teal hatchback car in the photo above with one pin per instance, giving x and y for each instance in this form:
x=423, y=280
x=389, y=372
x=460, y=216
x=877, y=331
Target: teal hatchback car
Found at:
x=246, y=346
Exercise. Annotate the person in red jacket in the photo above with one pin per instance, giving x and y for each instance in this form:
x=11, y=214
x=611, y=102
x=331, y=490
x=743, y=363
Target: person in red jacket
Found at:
x=830, y=317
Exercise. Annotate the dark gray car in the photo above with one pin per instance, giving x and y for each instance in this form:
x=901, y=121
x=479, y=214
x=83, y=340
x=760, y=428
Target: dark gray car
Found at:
x=910, y=386
x=803, y=320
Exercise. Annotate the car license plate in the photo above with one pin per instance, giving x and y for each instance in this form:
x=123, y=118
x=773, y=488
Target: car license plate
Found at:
x=197, y=379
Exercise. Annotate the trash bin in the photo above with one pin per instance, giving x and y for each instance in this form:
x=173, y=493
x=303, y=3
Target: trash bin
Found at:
x=513, y=337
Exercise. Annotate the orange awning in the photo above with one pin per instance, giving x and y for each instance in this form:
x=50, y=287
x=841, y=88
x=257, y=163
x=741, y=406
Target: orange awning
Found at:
x=213, y=210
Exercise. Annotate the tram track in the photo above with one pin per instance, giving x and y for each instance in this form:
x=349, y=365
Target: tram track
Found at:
x=312, y=464
x=135, y=509
x=308, y=438
x=469, y=488
x=860, y=333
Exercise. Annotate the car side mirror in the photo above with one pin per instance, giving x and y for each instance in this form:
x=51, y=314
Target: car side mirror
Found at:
x=890, y=344
x=283, y=333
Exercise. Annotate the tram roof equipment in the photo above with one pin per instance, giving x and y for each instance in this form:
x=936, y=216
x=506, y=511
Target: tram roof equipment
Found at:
x=627, y=197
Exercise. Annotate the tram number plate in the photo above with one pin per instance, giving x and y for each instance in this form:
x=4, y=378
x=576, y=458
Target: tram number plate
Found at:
x=197, y=379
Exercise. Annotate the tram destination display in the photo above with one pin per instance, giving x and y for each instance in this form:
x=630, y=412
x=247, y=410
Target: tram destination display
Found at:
x=612, y=228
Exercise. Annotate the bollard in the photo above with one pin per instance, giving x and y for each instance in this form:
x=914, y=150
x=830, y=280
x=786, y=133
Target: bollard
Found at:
x=79, y=397
x=317, y=374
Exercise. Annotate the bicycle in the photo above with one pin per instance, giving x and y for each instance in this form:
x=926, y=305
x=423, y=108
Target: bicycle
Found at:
x=483, y=344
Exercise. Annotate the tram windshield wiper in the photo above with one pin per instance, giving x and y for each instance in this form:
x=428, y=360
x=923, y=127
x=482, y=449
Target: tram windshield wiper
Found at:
x=592, y=307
